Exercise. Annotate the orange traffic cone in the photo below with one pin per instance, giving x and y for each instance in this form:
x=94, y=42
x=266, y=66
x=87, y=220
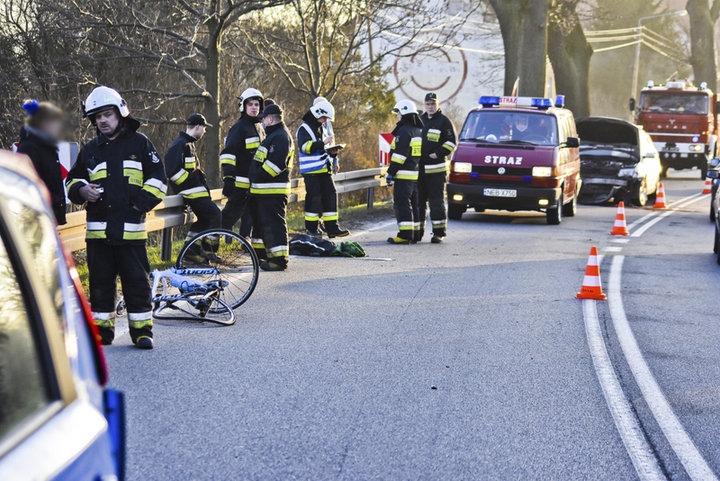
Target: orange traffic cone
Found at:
x=660, y=198
x=620, y=227
x=591, y=286
x=708, y=186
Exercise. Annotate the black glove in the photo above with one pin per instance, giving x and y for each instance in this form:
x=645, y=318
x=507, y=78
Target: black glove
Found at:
x=228, y=187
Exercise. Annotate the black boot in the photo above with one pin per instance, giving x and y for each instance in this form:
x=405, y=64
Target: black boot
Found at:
x=274, y=265
x=195, y=254
x=142, y=338
x=107, y=335
x=334, y=230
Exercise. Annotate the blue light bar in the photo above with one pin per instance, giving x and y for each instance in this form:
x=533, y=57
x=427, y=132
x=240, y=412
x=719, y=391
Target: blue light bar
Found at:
x=560, y=101
x=541, y=103
x=487, y=101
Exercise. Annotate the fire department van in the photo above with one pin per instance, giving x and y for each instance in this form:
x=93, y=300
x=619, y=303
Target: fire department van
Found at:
x=516, y=153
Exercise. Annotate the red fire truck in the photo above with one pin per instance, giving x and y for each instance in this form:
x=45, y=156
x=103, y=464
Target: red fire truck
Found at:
x=682, y=120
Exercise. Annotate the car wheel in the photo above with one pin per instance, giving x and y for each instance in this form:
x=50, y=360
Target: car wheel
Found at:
x=455, y=211
x=703, y=173
x=570, y=209
x=554, y=213
x=640, y=195
x=716, y=244
x=712, y=212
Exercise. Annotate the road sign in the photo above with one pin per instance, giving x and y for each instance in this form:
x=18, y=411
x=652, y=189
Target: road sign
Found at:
x=384, y=142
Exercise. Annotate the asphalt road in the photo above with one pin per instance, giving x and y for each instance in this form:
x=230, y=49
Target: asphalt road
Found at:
x=466, y=360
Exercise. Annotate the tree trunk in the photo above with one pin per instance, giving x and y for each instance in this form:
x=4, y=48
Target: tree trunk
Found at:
x=523, y=24
x=702, y=42
x=570, y=55
x=212, y=112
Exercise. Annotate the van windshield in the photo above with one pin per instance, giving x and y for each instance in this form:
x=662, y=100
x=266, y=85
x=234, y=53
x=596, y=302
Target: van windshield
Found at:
x=493, y=126
x=670, y=103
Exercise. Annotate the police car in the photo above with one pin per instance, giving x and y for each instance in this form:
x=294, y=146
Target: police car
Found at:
x=516, y=153
x=57, y=420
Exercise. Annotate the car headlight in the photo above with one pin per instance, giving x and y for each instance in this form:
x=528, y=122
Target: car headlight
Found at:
x=697, y=147
x=462, y=167
x=627, y=172
x=539, y=171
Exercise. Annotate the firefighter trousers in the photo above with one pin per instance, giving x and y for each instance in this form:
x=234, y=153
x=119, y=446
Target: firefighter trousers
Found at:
x=405, y=203
x=320, y=200
x=129, y=261
x=206, y=212
x=431, y=190
x=269, y=224
x=238, y=209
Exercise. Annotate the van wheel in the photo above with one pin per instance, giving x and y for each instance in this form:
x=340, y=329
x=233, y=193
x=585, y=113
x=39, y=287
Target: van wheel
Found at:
x=703, y=173
x=455, y=211
x=554, y=214
x=716, y=244
x=570, y=209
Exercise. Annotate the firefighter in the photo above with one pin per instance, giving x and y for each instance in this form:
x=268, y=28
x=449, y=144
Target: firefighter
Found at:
x=242, y=141
x=270, y=188
x=188, y=180
x=120, y=177
x=317, y=164
x=438, y=142
x=405, y=152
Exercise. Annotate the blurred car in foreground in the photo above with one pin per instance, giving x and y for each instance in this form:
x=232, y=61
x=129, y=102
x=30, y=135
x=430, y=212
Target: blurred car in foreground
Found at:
x=618, y=162
x=57, y=421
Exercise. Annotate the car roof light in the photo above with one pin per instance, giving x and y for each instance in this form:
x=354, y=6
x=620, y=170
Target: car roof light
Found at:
x=531, y=102
x=487, y=101
x=560, y=101
x=650, y=84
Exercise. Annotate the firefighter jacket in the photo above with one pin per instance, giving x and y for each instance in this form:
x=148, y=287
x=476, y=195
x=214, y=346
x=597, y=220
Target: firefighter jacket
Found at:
x=133, y=178
x=43, y=152
x=182, y=168
x=438, y=138
x=270, y=171
x=310, y=140
x=236, y=157
x=406, y=148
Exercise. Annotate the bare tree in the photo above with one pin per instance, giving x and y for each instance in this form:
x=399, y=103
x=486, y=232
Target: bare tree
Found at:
x=703, y=17
x=570, y=54
x=523, y=24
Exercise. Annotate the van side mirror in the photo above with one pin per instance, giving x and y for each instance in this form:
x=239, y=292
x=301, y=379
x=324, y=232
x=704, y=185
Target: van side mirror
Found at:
x=632, y=104
x=713, y=174
x=571, y=143
x=649, y=155
x=717, y=106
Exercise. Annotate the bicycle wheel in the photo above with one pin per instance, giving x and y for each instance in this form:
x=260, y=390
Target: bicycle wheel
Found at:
x=185, y=308
x=232, y=257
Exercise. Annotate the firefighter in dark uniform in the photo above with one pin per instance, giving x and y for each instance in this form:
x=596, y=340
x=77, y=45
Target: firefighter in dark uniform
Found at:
x=317, y=164
x=235, y=159
x=188, y=180
x=438, y=142
x=405, y=154
x=120, y=177
x=270, y=188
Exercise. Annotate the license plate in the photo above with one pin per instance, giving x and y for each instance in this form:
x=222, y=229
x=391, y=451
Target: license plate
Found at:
x=671, y=148
x=500, y=192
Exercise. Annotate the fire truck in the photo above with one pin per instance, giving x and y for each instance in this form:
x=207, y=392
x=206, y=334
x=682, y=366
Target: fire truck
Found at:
x=682, y=120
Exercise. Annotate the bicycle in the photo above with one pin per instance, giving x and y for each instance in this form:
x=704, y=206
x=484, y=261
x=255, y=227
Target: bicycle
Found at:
x=215, y=273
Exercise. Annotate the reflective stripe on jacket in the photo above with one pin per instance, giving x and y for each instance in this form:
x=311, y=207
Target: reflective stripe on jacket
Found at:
x=405, y=152
x=236, y=157
x=438, y=137
x=181, y=165
x=270, y=171
x=311, y=147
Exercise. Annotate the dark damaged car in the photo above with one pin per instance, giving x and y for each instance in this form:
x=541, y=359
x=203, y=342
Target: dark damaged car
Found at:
x=618, y=162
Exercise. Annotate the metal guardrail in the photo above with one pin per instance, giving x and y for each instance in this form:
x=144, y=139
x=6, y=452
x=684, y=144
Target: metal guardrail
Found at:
x=171, y=212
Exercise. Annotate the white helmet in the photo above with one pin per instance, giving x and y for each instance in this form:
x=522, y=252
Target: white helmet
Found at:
x=405, y=107
x=101, y=98
x=323, y=108
x=319, y=99
x=250, y=94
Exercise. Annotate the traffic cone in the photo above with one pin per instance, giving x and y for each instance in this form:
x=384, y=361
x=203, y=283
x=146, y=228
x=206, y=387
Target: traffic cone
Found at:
x=591, y=286
x=620, y=227
x=660, y=198
x=708, y=186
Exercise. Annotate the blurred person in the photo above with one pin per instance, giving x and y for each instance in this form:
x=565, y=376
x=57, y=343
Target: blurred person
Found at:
x=188, y=180
x=44, y=124
x=318, y=161
x=270, y=189
x=236, y=157
x=405, y=152
x=438, y=143
x=119, y=177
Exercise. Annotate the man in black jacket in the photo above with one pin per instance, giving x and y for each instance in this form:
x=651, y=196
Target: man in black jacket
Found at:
x=270, y=188
x=405, y=152
x=188, y=180
x=438, y=142
x=119, y=177
x=235, y=159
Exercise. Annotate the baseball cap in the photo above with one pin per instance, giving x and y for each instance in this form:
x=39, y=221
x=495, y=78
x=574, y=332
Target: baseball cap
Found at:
x=431, y=96
x=197, y=119
x=272, y=109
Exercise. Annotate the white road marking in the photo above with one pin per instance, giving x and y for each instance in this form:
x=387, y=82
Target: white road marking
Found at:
x=641, y=454
x=613, y=249
x=695, y=465
x=679, y=204
x=620, y=240
x=655, y=213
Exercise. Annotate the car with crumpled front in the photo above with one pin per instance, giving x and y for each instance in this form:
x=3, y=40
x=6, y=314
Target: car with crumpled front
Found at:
x=618, y=162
